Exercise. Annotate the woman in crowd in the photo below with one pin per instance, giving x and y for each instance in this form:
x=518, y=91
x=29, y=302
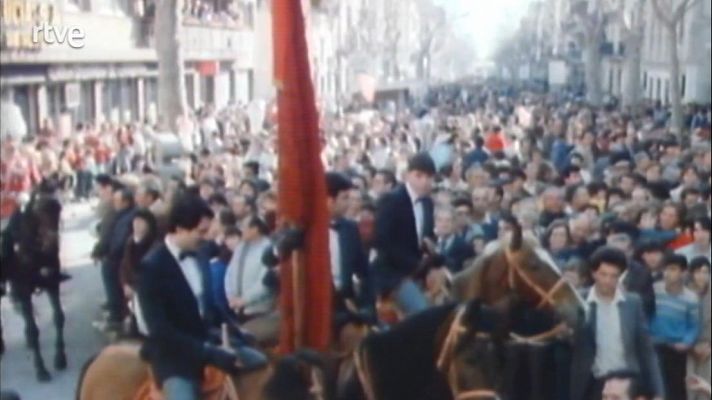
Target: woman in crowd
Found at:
x=145, y=233
x=557, y=240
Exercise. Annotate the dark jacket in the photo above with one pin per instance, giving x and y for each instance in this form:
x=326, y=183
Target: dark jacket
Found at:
x=177, y=332
x=638, y=280
x=101, y=248
x=455, y=251
x=640, y=355
x=354, y=264
x=120, y=233
x=133, y=254
x=399, y=250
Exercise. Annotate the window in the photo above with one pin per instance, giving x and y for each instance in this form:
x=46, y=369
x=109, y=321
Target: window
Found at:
x=77, y=5
x=109, y=6
x=645, y=80
x=667, y=91
x=683, y=86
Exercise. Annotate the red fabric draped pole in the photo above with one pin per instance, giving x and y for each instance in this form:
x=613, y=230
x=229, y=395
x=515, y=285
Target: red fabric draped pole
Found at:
x=305, y=296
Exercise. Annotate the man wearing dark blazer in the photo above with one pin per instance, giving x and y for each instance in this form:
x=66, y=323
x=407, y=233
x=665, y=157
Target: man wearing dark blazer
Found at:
x=174, y=300
x=614, y=336
x=349, y=263
x=116, y=242
x=404, y=219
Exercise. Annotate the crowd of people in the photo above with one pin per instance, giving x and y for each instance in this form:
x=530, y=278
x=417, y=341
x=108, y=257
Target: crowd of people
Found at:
x=621, y=204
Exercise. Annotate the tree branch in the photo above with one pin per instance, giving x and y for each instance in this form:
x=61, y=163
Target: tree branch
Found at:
x=660, y=13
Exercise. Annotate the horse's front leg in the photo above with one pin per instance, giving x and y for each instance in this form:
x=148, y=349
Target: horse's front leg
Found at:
x=32, y=332
x=60, y=357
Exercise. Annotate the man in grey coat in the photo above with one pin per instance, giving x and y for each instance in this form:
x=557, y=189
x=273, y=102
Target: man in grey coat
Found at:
x=614, y=336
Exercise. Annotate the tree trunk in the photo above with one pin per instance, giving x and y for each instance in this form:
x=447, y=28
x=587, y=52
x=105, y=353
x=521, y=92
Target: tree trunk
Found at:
x=172, y=98
x=631, y=70
x=592, y=65
x=675, y=90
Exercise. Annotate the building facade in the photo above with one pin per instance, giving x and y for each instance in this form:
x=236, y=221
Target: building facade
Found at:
x=694, y=53
x=112, y=74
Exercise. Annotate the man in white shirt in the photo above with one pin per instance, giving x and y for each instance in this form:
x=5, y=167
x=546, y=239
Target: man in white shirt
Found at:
x=245, y=289
x=614, y=336
x=404, y=219
x=173, y=300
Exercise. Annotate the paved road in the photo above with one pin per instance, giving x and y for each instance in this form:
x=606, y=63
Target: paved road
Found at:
x=80, y=296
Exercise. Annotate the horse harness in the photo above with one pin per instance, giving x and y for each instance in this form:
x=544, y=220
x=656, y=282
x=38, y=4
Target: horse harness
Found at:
x=447, y=367
x=514, y=270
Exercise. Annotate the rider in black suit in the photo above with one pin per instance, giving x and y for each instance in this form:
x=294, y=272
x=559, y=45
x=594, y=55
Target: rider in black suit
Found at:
x=403, y=220
x=348, y=259
x=174, y=299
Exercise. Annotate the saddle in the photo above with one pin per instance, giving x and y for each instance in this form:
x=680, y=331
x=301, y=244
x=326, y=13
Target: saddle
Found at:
x=217, y=385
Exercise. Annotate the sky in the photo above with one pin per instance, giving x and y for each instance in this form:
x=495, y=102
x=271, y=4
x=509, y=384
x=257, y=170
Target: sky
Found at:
x=485, y=21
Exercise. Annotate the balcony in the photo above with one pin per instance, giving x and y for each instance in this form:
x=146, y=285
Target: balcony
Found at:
x=210, y=42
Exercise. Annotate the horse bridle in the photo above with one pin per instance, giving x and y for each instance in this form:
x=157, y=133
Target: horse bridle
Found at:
x=447, y=367
x=547, y=297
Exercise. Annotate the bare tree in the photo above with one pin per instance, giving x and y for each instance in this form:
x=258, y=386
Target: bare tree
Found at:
x=671, y=14
x=172, y=98
x=630, y=14
x=592, y=18
x=432, y=23
x=391, y=40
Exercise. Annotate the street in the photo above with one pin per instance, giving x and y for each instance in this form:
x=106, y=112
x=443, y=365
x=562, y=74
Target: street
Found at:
x=80, y=297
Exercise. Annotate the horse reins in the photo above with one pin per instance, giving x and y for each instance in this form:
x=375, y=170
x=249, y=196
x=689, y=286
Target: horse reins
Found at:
x=447, y=367
x=547, y=297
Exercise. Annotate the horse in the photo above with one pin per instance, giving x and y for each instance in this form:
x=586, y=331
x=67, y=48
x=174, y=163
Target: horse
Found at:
x=518, y=273
x=520, y=279
x=119, y=373
x=514, y=278
x=30, y=255
x=443, y=353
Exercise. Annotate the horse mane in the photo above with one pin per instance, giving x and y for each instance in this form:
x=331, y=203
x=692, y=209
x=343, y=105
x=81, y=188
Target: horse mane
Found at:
x=466, y=283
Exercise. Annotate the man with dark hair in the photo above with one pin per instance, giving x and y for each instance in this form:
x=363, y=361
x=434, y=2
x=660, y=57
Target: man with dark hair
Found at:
x=701, y=246
x=243, y=207
x=248, y=295
x=620, y=386
x=349, y=262
x=614, y=336
x=175, y=306
x=676, y=324
x=383, y=182
x=120, y=232
x=404, y=219
x=637, y=279
x=477, y=156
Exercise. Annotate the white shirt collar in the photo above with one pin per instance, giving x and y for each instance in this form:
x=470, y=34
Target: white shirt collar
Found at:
x=413, y=196
x=173, y=248
x=619, y=297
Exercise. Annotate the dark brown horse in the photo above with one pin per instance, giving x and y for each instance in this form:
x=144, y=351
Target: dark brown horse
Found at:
x=517, y=270
x=30, y=259
x=513, y=279
x=442, y=353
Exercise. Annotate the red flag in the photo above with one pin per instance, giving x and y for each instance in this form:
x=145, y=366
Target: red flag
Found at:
x=306, y=284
